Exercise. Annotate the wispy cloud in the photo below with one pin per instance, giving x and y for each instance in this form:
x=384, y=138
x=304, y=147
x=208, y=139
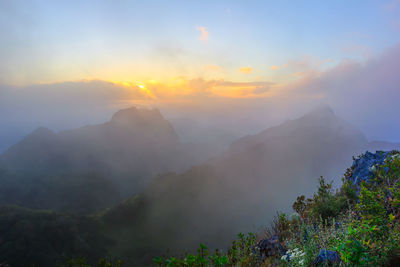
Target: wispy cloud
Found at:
x=274, y=67
x=356, y=91
x=204, y=34
x=299, y=73
x=246, y=70
x=212, y=68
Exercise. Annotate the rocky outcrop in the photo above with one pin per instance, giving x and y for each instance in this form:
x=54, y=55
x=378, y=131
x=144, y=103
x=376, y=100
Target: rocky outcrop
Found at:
x=327, y=258
x=364, y=166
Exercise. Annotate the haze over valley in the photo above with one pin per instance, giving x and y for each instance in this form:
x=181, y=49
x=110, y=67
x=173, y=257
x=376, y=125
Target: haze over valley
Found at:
x=131, y=130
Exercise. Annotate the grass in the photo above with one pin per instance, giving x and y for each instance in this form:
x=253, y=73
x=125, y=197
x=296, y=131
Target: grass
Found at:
x=361, y=225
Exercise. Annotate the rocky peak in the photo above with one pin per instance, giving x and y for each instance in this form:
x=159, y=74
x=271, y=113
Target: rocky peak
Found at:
x=148, y=122
x=132, y=116
x=42, y=131
x=321, y=112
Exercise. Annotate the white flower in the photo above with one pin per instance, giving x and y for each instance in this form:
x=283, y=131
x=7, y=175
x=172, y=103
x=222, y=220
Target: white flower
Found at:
x=372, y=169
x=396, y=156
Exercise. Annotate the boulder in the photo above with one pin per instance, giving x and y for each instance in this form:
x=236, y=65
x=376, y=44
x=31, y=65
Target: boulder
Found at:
x=327, y=257
x=363, y=166
x=270, y=247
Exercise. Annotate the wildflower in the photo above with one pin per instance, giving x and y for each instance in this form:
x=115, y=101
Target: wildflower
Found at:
x=372, y=169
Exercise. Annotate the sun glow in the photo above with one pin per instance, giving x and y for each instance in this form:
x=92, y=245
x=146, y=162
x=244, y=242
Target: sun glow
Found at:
x=181, y=88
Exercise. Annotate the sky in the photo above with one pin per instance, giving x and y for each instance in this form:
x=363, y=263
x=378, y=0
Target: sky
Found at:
x=161, y=41
x=202, y=57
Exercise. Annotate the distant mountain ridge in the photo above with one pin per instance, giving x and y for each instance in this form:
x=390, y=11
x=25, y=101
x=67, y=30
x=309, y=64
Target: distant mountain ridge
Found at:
x=135, y=145
x=87, y=170
x=257, y=176
x=305, y=126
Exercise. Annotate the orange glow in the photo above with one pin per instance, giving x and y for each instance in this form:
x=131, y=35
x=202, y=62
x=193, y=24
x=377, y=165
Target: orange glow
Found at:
x=246, y=70
x=181, y=87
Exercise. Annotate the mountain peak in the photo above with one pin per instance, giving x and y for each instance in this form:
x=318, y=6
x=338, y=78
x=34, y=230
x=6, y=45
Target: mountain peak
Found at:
x=149, y=122
x=322, y=111
x=42, y=131
x=132, y=116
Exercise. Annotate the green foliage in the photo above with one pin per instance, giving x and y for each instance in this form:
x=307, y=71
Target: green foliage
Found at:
x=240, y=254
x=363, y=227
x=300, y=206
x=326, y=204
x=374, y=238
x=47, y=238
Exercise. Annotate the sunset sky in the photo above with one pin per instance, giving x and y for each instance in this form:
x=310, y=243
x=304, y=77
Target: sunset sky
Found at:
x=280, y=54
x=171, y=42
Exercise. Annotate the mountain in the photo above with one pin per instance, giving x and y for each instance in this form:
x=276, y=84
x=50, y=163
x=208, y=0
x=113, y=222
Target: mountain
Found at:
x=240, y=190
x=96, y=163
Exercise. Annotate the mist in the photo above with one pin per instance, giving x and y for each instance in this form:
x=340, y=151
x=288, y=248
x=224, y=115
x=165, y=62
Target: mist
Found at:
x=351, y=89
x=137, y=129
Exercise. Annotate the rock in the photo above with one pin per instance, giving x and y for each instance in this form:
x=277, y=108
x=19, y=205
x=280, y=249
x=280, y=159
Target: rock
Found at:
x=270, y=247
x=327, y=257
x=363, y=167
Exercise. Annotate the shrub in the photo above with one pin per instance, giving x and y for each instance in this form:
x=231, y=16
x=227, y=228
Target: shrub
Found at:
x=241, y=253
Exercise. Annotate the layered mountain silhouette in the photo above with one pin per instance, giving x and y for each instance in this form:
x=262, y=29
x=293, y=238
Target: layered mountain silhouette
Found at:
x=117, y=157
x=95, y=167
x=240, y=190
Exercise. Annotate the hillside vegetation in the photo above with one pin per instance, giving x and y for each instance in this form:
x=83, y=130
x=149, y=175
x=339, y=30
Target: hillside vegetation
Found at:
x=357, y=225
x=94, y=167
x=171, y=213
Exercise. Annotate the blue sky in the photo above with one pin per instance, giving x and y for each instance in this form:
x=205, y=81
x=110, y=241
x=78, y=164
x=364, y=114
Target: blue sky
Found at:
x=230, y=60
x=52, y=41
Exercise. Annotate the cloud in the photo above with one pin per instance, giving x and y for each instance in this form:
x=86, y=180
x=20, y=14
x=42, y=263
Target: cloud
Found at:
x=245, y=70
x=274, y=67
x=299, y=73
x=200, y=89
x=212, y=68
x=60, y=106
x=240, y=89
x=204, y=34
x=367, y=94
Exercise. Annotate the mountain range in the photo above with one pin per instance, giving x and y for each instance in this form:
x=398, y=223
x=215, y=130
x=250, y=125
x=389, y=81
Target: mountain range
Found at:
x=115, y=159
x=242, y=189
x=134, y=176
